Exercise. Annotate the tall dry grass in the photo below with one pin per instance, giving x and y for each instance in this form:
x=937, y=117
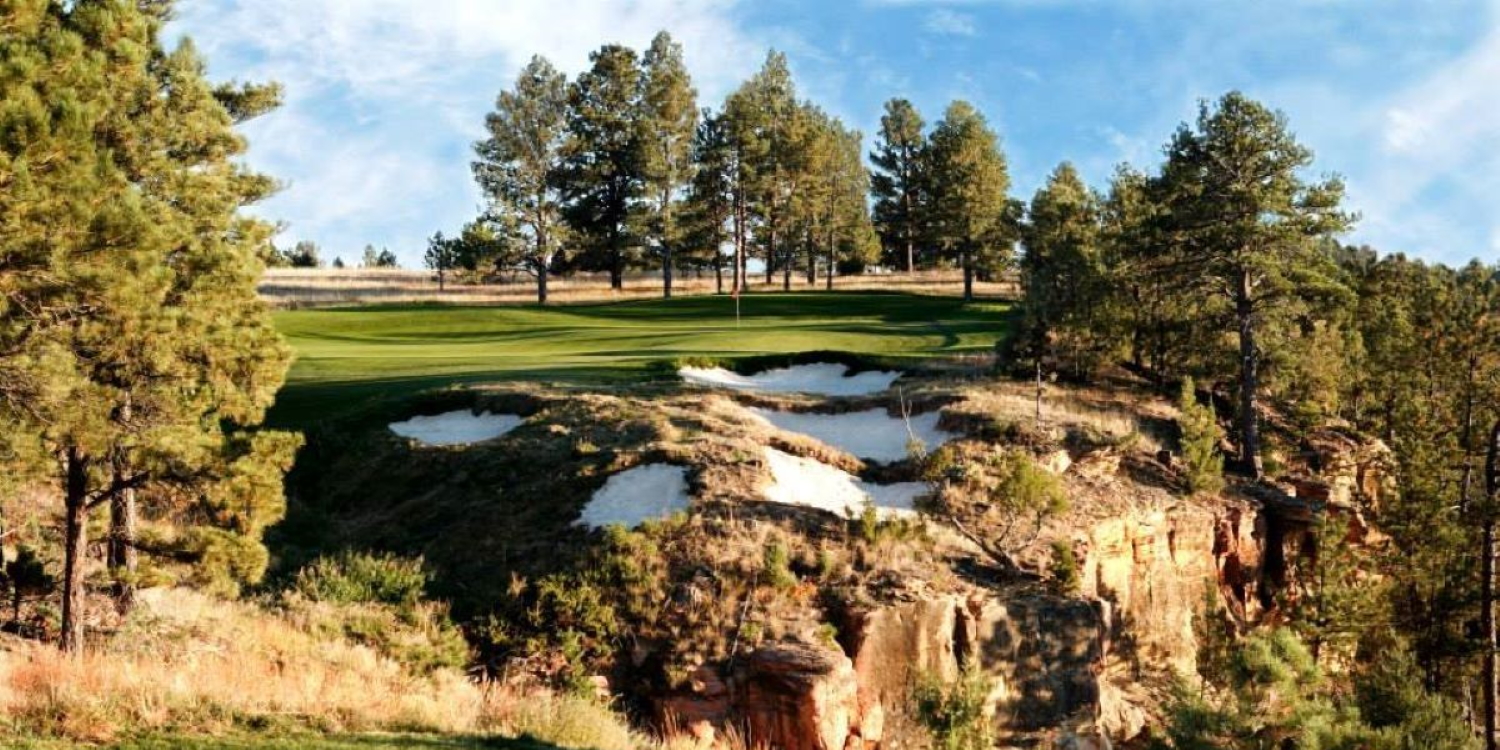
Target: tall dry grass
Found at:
x=320, y=287
x=191, y=664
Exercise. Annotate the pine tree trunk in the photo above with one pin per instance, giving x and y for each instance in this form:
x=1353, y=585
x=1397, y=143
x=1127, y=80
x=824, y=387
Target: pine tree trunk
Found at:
x=771, y=250
x=617, y=270
x=968, y=276
x=1487, y=624
x=718, y=271
x=541, y=283
x=666, y=271
x=828, y=272
x=75, y=519
x=122, y=523
x=1249, y=379
x=911, y=258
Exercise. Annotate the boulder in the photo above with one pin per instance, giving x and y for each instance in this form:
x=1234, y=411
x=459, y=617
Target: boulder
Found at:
x=800, y=697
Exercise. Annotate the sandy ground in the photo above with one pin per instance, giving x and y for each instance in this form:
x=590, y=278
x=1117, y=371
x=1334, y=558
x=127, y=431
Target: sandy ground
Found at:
x=873, y=435
x=456, y=427
x=803, y=481
x=636, y=495
x=822, y=379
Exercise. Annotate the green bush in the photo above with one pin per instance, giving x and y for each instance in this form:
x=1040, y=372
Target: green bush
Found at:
x=363, y=578
x=1065, y=567
x=777, y=567
x=955, y=714
x=1203, y=469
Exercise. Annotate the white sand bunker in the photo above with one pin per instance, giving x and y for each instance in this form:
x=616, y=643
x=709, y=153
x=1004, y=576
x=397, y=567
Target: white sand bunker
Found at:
x=872, y=434
x=456, y=427
x=803, y=481
x=633, y=496
x=822, y=379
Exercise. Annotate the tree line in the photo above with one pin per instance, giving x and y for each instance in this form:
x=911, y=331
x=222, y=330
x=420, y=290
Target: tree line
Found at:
x=620, y=169
x=1222, y=265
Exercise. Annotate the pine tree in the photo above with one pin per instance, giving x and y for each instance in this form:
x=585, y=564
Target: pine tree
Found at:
x=896, y=184
x=1062, y=271
x=441, y=256
x=766, y=127
x=968, y=179
x=1203, y=470
x=711, y=196
x=518, y=166
x=602, y=174
x=138, y=355
x=668, y=124
x=1243, y=222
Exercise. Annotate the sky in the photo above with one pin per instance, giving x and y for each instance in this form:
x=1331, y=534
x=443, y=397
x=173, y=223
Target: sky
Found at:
x=385, y=98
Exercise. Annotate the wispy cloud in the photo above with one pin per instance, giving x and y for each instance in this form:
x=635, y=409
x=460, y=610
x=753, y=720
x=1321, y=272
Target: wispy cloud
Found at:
x=949, y=23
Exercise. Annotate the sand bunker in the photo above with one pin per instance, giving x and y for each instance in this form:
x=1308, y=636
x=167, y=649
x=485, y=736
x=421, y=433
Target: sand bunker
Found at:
x=803, y=481
x=873, y=434
x=456, y=427
x=645, y=493
x=822, y=379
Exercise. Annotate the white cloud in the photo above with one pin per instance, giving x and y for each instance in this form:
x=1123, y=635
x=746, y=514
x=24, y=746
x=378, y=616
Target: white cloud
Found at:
x=948, y=23
x=1428, y=180
x=383, y=96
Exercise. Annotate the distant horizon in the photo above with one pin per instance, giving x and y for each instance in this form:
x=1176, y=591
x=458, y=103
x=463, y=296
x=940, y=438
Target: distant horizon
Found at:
x=384, y=99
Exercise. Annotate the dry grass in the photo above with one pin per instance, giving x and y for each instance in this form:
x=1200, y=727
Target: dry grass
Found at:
x=321, y=287
x=1089, y=415
x=190, y=660
x=190, y=664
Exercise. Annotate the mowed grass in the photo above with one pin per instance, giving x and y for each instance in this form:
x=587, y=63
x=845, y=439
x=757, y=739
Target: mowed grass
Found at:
x=349, y=357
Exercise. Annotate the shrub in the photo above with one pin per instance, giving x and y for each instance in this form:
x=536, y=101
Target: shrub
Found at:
x=777, y=567
x=1203, y=470
x=955, y=714
x=1064, y=567
x=363, y=578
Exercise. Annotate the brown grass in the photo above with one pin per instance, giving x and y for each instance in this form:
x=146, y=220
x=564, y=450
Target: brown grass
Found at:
x=192, y=664
x=321, y=287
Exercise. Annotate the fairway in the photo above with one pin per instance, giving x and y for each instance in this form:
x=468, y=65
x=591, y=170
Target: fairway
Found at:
x=349, y=356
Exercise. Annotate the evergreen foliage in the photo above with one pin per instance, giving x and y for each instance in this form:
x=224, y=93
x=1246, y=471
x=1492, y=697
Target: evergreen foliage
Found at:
x=968, y=179
x=1202, y=465
x=136, y=350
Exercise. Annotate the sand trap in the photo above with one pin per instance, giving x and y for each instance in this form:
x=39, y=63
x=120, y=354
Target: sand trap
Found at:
x=822, y=379
x=456, y=427
x=872, y=434
x=645, y=493
x=803, y=481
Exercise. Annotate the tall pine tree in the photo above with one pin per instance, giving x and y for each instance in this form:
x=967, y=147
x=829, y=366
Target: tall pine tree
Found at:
x=519, y=164
x=138, y=358
x=969, y=180
x=896, y=183
x=668, y=121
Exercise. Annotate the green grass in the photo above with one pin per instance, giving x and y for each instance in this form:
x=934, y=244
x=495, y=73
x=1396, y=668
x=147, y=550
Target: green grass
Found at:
x=348, y=357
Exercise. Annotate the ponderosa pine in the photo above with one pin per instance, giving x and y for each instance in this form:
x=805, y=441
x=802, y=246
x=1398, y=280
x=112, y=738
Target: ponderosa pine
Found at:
x=138, y=360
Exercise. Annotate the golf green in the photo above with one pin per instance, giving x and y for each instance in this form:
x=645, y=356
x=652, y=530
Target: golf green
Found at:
x=348, y=356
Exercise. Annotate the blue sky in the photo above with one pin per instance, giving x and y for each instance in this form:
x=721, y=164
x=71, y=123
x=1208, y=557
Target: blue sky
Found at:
x=384, y=97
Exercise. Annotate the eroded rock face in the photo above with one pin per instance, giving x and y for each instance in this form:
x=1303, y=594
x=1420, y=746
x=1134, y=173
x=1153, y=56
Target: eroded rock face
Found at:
x=1153, y=571
x=800, y=697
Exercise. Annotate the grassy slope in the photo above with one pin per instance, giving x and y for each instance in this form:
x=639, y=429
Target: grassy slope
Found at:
x=348, y=356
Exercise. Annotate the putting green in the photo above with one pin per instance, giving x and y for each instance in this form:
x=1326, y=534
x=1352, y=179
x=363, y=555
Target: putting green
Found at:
x=349, y=356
